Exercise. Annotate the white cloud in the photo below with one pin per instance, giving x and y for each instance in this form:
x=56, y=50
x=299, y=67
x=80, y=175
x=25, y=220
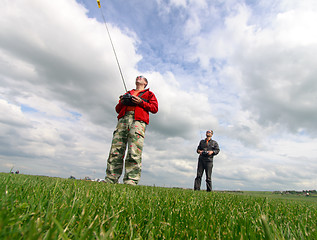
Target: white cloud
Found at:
x=39, y=142
x=273, y=66
x=12, y=114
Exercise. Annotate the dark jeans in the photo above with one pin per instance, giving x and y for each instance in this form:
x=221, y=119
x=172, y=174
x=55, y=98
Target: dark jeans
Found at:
x=207, y=166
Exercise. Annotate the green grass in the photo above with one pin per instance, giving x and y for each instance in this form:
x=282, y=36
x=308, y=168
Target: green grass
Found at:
x=37, y=207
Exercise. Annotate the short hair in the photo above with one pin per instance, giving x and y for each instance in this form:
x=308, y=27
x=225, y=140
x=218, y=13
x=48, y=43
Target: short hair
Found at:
x=146, y=81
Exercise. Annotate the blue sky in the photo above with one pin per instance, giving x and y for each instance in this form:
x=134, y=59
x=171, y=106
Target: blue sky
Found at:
x=245, y=69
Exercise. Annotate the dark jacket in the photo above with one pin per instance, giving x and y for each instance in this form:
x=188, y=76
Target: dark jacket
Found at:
x=211, y=146
x=141, y=112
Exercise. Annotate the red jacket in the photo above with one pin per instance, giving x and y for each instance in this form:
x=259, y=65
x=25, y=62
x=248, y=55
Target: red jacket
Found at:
x=141, y=112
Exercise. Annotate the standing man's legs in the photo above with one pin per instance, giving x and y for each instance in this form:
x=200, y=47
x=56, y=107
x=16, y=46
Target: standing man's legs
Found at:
x=200, y=172
x=133, y=161
x=208, y=169
x=118, y=147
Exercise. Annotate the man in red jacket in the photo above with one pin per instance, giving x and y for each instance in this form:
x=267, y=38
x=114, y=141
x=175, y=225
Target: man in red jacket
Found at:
x=133, y=117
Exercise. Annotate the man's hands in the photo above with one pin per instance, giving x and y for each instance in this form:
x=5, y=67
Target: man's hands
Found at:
x=209, y=152
x=136, y=100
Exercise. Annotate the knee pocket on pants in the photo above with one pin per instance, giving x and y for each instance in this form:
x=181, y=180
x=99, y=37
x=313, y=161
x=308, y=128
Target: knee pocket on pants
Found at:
x=139, y=134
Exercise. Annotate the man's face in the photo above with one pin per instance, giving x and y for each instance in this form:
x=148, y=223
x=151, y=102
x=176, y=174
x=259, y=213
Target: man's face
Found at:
x=140, y=80
x=209, y=133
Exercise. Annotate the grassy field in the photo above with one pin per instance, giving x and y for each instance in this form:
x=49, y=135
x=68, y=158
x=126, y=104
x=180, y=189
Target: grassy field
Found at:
x=37, y=207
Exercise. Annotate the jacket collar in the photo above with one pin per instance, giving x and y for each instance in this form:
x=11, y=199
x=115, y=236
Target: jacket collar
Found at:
x=147, y=89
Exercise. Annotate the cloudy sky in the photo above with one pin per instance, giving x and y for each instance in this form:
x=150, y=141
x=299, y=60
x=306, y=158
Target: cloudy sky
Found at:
x=244, y=68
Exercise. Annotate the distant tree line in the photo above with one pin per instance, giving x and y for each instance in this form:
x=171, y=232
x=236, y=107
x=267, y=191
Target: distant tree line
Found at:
x=304, y=192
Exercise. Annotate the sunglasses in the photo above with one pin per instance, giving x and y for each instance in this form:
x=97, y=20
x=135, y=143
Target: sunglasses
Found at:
x=139, y=77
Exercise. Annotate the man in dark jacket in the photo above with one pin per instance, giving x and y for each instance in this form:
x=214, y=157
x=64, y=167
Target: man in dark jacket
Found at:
x=133, y=117
x=206, y=149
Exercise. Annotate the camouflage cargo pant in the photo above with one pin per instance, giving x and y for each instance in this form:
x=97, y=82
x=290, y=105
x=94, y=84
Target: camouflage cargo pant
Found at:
x=131, y=132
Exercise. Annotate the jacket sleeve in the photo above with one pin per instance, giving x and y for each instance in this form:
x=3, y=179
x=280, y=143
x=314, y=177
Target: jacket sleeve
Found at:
x=216, y=148
x=120, y=105
x=152, y=105
x=200, y=146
